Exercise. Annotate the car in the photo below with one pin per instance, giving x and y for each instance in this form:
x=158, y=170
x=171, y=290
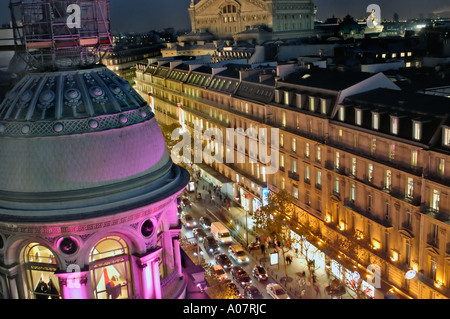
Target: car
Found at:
x=251, y=292
x=276, y=291
x=224, y=261
x=211, y=246
x=219, y=273
x=199, y=233
x=259, y=273
x=186, y=202
x=205, y=221
x=240, y=275
x=232, y=289
x=188, y=221
x=237, y=253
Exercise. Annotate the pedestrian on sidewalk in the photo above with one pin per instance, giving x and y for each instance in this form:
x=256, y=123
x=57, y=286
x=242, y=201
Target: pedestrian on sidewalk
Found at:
x=288, y=259
x=263, y=249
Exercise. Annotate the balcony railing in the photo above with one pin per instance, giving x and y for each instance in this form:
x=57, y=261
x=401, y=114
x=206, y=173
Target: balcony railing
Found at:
x=294, y=176
x=383, y=222
x=435, y=213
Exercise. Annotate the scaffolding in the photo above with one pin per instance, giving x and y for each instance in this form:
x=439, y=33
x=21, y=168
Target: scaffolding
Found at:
x=57, y=33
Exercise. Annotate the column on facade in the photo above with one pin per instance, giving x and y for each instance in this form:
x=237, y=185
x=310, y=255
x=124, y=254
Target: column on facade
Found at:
x=149, y=274
x=177, y=255
x=74, y=285
x=9, y=285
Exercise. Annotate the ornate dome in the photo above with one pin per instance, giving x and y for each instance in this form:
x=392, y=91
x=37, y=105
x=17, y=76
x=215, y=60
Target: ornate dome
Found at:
x=81, y=138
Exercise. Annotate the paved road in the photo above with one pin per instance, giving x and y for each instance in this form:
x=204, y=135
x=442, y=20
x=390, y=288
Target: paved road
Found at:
x=199, y=209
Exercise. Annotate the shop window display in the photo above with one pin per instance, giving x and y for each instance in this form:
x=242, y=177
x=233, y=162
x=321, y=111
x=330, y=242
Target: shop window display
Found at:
x=110, y=271
x=41, y=266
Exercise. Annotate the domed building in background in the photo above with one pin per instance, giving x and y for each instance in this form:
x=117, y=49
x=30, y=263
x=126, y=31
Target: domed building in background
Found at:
x=88, y=191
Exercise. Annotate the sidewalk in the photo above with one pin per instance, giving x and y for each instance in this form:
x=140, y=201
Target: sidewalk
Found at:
x=235, y=217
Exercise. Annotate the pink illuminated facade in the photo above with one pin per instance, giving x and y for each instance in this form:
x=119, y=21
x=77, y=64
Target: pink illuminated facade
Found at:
x=88, y=192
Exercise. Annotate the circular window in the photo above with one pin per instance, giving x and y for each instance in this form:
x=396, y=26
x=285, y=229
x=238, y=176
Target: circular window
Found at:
x=68, y=245
x=147, y=228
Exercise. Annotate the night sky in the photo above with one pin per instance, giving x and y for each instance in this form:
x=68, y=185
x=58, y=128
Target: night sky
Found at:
x=145, y=15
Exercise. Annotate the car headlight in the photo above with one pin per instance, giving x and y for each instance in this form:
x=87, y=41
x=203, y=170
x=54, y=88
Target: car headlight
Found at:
x=246, y=259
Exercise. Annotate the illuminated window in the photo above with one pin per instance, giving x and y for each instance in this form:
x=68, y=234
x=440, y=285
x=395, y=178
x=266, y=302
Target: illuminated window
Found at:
x=319, y=179
x=370, y=173
x=414, y=157
x=295, y=192
x=441, y=166
x=307, y=175
x=353, y=167
x=323, y=106
x=358, y=117
x=435, y=197
x=352, y=192
x=286, y=98
x=446, y=137
x=307, y=150
x=312, y=106
x=417, y=131
x=336, y=160
x=388, y=179
x=41, y=265
x=375, y=121
x=341, y=114
x=394, y=125
x=410, y=188
x=336, y=185
x=110, y=268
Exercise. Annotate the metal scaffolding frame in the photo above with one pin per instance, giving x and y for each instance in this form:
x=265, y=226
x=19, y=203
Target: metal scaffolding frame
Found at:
x=43, y=27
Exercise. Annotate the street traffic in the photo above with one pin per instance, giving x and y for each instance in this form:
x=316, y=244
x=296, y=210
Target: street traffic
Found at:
x=232, y=263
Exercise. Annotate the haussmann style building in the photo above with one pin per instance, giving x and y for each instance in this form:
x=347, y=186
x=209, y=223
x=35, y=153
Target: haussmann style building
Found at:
x=366, y=163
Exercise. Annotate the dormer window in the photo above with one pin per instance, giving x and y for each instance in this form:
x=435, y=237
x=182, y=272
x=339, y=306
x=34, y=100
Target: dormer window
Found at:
x=375, y=121
x=358, y=117
x=312, y=106
x=341, y=114
x=417, y=130
x=446, y=137
x=299, y=100
x=394, y=125
x=287, y=98
x=323, y=106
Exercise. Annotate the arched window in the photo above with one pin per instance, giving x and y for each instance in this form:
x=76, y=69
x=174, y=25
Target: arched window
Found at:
x=40, y=265
x=110, y=268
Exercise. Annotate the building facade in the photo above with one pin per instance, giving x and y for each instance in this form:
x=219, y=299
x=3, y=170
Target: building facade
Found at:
x=377, y=195
x=224, y=19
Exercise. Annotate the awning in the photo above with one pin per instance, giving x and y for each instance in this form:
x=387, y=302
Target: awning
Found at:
x=211, y=171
